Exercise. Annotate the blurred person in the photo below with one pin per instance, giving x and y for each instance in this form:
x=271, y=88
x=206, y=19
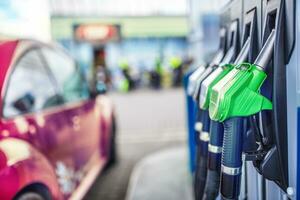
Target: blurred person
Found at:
x=119, y=82
x=156, y=74
x=124, y=85
x=135, y=74
x=125, y=68
x=176, y=65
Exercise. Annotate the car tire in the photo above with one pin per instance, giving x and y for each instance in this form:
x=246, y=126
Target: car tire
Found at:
x=113, y=147
x=30, y=196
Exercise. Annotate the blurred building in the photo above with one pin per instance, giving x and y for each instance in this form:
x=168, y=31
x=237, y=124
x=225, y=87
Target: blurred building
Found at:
x=145, y=30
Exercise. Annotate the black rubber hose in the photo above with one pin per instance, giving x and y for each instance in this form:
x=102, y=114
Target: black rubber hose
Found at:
x=200, y=175
x=201, y=160
x=211, y=191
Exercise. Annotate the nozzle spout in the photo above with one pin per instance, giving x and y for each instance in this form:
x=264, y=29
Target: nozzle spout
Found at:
x=243, y=53
x=217, y=58
x=266, y=52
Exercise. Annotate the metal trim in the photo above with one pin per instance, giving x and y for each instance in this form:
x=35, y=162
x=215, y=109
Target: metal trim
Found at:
x=204, y=136
x=198, y=126
x=214, y=149
x=233, y=171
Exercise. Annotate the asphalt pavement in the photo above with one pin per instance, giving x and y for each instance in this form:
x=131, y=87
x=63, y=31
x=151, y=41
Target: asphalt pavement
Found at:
x=148, y=121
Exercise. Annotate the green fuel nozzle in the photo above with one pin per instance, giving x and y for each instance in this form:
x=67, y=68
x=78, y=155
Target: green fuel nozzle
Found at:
x=237, y=93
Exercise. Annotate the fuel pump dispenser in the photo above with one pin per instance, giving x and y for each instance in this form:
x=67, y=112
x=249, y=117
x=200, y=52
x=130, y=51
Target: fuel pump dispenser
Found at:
x=257, y=92
x=231, y=103
x=247, y=105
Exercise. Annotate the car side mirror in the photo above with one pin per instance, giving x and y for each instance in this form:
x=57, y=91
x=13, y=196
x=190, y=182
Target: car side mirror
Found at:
x=25, y=103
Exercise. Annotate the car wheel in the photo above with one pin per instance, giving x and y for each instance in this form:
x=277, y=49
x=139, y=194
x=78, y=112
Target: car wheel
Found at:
x=30, y=196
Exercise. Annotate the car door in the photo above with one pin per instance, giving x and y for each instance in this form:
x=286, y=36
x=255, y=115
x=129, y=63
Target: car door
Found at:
x=33, y=110
x=80, y=108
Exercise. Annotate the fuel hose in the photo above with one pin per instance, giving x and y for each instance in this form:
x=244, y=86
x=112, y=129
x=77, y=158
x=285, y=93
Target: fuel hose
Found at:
x=201, y=160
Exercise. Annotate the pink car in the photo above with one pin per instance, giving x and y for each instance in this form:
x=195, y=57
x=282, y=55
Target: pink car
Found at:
x=55, y=135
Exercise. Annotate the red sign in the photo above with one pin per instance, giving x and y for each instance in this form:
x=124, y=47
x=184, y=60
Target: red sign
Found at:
x=97, y=33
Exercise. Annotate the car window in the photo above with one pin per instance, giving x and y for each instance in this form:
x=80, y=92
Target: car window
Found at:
x=29, y=87
x=68, y=76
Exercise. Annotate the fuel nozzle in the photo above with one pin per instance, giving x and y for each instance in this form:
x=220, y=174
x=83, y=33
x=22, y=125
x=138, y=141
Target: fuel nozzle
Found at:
x=234, y=97
x=241, y=85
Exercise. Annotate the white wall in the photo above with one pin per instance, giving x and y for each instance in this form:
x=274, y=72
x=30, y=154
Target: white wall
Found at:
x=25, y=18
x=118, y=7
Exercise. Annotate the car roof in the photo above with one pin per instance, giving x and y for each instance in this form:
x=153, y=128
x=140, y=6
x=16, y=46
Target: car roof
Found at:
x=7, y=50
